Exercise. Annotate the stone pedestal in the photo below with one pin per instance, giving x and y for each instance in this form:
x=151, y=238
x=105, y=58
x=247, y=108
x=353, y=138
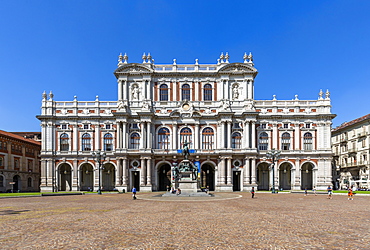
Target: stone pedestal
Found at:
x=186, y=183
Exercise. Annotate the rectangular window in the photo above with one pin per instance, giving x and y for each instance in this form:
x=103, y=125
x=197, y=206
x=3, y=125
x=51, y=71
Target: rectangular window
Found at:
x=263, y=125
x=286, y=125
x=107, y=126
x=64, y=126
x=86, y=126
x=308, y=125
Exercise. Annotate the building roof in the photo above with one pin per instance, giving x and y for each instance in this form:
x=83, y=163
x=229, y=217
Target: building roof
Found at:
x=347, y=124
x=14, y=136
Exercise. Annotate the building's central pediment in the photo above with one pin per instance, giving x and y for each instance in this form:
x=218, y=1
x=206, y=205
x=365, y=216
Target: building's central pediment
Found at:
x=133, y=68
x=238, y=67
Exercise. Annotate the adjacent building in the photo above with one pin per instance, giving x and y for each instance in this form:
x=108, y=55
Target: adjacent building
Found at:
x=19, y=163
x=351, y=149
x=159, y=107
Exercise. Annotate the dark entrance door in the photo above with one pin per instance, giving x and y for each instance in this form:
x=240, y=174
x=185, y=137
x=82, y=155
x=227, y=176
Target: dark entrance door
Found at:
x=135, y=177
x=236, y=180
x=164, y=177
x=207, y=177
x=16, y=185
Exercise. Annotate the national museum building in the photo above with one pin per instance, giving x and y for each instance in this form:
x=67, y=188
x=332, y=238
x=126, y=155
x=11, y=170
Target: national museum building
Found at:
x=351, y=145
x=162, y=106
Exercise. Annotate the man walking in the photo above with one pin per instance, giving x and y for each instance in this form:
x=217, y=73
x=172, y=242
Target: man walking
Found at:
x=330, y=192
x=133, y=193
x=252, y=192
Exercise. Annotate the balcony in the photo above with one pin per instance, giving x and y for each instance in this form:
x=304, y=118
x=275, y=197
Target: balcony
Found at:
x=362, y=134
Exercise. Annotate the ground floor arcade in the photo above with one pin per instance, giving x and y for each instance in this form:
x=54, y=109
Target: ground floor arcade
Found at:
x=155, y=174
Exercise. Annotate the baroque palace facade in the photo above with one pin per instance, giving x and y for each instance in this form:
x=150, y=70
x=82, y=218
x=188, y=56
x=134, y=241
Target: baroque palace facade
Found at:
x=351, y=149
x=210, y=106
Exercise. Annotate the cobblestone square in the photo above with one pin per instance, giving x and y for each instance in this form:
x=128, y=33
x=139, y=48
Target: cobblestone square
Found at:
x=226, y=221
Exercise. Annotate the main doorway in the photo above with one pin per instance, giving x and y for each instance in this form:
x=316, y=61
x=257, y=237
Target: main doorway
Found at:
x=164, y=177
x=207, y=177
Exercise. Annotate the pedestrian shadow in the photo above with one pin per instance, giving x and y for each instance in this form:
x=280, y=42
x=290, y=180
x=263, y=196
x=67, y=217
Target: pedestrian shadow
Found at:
x=7, y=212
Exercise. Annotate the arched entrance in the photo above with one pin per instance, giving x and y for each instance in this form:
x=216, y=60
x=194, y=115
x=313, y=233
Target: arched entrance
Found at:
x=285, y=176
x=164, y=177
x=108, y=176
x=207, y=177
x=86, y=177
x=307, y=176
x=65, y=177
x=17, y=183
x=263, y=176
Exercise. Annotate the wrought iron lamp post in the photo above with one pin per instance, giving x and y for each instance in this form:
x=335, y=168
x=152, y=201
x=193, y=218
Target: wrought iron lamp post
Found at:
x=99, y=156
x=274, y=156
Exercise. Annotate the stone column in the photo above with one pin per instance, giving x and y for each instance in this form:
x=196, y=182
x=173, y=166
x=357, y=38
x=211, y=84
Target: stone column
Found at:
x=124, y=171
x=247, y=139
x=119, y=172
x=119, y=90
x=253, y=170
x=119, y=136
x=43, y=173
x=253, y=136
x=196, y=136
x=246, y=172
x=275, y=139
x=229, y=171
x=222, y=172
x=297, y=136
x=142, y=172
x=149, y=135
x=124, y=135
x=174, y=136
x=149, y=172
x=228, y=136
x=222, y=134
x=142, y=137
x=97, y=138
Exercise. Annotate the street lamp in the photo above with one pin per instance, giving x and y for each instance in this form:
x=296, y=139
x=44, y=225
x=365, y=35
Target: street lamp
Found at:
x=273, y=155
x=99, y=156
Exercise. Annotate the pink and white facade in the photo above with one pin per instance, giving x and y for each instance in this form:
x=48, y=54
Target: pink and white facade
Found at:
x=160, y=106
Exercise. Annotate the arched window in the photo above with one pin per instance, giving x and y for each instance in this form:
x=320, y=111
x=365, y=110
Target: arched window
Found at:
x=185, y=92
x=64, y=142
x=163, y=138
x=135, y=141
x=307, y=141
x=236, y=140
x=163, y=92
x=207, y=92
x=263, y=141
x=29, y=182
x=86, y=142
x=208, y=138
x=186, y=136
x=108, y=142
x=1, y=181
x=1, y=161
x=285, y=141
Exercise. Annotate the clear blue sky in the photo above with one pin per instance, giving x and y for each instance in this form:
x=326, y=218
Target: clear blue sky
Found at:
x=71, y=48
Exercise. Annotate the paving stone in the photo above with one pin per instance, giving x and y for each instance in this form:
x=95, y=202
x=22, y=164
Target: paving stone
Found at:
x=225, y=221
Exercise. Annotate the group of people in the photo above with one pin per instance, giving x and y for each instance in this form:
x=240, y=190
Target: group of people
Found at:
x=329, y=190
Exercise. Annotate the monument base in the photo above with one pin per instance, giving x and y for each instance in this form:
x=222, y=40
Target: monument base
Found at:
x=186, y=183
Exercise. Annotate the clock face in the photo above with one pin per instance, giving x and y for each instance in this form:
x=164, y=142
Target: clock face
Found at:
x=185, y=107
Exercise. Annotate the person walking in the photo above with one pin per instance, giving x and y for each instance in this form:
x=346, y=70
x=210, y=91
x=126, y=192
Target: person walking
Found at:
x=305, y=192
x=314, y=190
x=133, y=193
x=252, y=192
x=330, y=192
x=350, y=194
